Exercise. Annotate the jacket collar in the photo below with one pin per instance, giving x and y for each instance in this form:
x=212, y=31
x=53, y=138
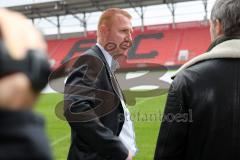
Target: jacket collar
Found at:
x=112, y=65
x=99, y=53
x=224, y=47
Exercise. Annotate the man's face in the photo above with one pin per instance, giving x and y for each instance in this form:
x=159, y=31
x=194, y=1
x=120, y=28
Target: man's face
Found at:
x=119, y=36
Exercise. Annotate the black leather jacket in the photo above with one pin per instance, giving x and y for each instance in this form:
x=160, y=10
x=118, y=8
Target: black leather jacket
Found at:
x=202, y=114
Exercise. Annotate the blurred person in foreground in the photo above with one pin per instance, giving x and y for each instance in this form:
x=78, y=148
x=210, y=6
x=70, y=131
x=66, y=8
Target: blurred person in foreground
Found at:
x=101, y=128
x=207, y=89
x=24, y=70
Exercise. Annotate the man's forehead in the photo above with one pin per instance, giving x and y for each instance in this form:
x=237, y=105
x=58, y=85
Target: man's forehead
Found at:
x=122, y=21
x=121, y=18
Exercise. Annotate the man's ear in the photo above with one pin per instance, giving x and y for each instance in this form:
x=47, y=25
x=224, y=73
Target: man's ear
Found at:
x=218, y=28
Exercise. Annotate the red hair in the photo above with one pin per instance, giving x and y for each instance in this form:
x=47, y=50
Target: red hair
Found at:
x=107, y=15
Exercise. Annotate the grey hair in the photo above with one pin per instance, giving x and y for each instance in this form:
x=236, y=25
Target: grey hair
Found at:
x=228, y=13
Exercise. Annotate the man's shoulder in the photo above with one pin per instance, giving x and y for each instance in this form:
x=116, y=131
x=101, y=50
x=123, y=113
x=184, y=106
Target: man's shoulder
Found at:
x=200, y=67
x=191, y=73
x=88, y=63
x=202, y=71
x=93, y=51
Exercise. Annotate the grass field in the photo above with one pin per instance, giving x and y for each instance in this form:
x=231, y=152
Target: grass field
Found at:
x=146, y=115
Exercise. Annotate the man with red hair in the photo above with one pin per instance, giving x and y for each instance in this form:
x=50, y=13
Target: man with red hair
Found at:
x=94, y=106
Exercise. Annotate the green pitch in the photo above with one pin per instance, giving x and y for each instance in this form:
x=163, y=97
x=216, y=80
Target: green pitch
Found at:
x=146, y=115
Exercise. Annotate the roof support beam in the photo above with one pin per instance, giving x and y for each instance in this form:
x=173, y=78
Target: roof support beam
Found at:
x=172, y=8
x=33, y=21
x=58, y=28
x=61, y=7
x=95, y=3
x=83, y=22
x=205, y=4
x=50, y=21
x=140, y=13
x=142, y=19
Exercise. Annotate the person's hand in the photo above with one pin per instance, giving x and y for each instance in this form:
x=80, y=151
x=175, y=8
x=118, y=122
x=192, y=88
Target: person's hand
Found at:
x=130, y=157
x=18, y=34
x=16, y=92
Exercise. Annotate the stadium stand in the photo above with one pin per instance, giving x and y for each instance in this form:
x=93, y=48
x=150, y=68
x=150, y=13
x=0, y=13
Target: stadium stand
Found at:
x=169, y=44
x=159, y=44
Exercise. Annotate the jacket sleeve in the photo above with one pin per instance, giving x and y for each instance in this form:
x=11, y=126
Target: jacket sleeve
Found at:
x=22, y=136
x=174, y=126
x=83, y=109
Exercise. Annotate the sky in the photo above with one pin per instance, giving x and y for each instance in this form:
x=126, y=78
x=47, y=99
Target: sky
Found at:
x=158, y=14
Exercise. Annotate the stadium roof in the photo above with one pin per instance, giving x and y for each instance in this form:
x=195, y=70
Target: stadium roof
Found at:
x=64, y=7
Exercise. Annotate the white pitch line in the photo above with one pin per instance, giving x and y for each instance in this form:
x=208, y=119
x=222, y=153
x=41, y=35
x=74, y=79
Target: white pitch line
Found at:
x=143, y=101
x=60, y=140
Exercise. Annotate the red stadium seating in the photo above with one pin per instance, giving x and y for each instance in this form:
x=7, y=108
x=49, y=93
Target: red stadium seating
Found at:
x=159, y=44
